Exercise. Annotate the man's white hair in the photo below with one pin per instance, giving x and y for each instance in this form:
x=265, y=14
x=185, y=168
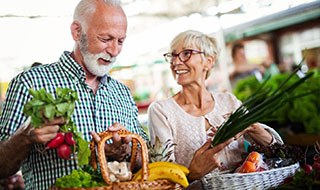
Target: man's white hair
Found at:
x=86, y=8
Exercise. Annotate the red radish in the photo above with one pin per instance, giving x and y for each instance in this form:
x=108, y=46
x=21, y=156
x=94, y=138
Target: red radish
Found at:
x=307, y=168
x=56, y=141
x=69, y=139
x=316, y=158
x=316, y=166
x=64, y=151
x=288, y=180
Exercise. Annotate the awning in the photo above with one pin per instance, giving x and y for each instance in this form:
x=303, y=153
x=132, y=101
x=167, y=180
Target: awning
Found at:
x=282, y=19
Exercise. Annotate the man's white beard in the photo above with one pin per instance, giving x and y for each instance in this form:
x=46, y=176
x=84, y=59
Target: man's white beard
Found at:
x=91, y=60
x=91, y=63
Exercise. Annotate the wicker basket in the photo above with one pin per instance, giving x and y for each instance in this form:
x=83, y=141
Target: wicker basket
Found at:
x=142, y=184
x=256, y=180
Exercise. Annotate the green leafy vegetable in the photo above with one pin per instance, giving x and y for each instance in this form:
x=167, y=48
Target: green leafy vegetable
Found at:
x=77, y=178
x=303, y=113
x=43, y=106
x=259, y=105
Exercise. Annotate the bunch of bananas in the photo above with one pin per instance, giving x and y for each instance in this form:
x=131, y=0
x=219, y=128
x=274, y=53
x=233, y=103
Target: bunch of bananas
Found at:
x=165, y=170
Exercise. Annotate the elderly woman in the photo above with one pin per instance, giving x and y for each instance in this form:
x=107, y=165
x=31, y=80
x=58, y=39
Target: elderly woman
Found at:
x=190, y=117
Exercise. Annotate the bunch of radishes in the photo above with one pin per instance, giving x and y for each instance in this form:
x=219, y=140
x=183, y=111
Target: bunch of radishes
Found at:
x=63, y=143
x=314, y=169
x=308, y=177
x=45, y=107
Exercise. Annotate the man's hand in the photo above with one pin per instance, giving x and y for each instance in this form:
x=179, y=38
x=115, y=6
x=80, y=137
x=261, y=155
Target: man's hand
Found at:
x=44, y=133
x=13, y=182
x=17, y=147
x=120, y=148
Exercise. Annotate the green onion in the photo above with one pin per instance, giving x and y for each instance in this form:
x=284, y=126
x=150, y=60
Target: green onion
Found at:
x=261, y=104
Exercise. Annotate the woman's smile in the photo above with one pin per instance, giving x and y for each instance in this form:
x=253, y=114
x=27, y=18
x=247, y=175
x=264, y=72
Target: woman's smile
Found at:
x=182, y=71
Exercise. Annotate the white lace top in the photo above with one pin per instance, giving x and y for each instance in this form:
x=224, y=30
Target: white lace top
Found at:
x=168, y=120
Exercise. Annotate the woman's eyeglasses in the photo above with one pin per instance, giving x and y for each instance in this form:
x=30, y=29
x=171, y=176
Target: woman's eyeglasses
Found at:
x=183, y=55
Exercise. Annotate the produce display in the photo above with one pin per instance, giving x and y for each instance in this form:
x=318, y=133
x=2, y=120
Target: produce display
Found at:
x=308, y=177
x=261, y=104
x=43, y=107
x=301, y=114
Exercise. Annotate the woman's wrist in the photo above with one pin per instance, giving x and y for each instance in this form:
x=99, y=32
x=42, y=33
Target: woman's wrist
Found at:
x=207, y=181
x=261, y=136
x=192, y=177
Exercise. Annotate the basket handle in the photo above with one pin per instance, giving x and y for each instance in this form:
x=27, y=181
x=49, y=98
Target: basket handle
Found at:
x=102, y=158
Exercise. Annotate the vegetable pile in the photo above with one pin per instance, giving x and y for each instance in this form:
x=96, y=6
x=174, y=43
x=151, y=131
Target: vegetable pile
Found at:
x=308, y=177
x=85, y=177
x=302, y=115
x=259, y=106
x=44, y=107
x=279, y=155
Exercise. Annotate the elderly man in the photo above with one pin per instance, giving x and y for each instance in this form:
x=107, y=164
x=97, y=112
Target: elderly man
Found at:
x=99, y=30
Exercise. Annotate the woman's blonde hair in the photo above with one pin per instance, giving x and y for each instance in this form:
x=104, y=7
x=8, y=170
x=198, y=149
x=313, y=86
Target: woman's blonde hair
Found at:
x=203, y=42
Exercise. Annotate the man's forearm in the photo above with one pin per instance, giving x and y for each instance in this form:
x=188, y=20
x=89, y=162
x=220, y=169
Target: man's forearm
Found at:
x=13, y=151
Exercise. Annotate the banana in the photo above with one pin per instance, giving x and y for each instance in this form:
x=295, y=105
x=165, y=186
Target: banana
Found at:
x=185, y=170
x=165, y=170
x=169, y=164
x=174, y=174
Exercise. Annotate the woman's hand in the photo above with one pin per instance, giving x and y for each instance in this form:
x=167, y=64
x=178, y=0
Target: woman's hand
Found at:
x=120, y=148
x=259, y=134
x=205, y=160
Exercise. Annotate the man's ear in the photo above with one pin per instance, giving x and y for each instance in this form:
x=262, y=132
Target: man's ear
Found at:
x=75, y=30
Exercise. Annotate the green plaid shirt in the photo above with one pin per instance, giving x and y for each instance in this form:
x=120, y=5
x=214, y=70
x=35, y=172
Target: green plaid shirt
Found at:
x=112, y=103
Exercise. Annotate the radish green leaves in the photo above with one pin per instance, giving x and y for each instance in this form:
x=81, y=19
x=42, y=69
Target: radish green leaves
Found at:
x=44, y=107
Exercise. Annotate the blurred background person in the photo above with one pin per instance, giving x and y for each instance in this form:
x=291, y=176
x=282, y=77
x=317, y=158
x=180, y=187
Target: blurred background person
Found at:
x=270, y=68
x=241, y=68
